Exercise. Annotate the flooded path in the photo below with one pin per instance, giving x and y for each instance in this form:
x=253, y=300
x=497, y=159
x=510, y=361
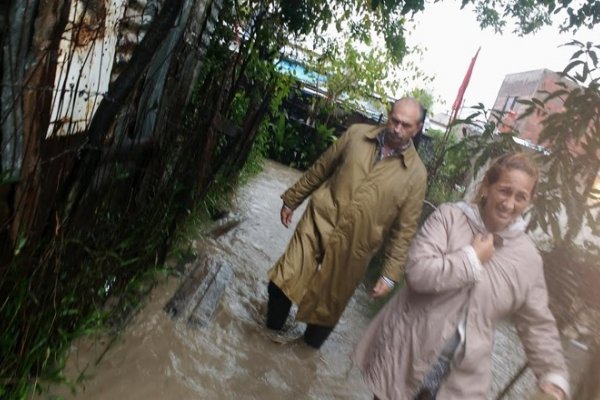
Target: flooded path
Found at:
x=157, y=357
x=232, y=358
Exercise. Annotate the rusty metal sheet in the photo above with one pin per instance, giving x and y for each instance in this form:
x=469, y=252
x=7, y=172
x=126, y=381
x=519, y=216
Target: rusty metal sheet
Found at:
x=85, y=61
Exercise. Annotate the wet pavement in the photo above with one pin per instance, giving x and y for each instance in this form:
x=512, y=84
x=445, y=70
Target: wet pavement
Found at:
x=157, y=357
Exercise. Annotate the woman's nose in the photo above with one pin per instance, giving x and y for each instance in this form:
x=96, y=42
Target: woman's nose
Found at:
x=509, y=204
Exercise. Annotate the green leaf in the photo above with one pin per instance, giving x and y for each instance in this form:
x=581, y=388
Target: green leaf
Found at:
x=572, y=65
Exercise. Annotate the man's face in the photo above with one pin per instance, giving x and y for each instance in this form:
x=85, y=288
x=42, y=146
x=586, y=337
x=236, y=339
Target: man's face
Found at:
x=404, y=122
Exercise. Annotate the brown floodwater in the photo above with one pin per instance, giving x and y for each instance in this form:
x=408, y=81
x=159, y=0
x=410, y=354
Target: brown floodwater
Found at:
x=157, y=357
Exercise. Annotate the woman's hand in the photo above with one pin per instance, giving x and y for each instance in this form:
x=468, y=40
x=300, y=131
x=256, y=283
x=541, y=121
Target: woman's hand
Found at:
x=483, y=246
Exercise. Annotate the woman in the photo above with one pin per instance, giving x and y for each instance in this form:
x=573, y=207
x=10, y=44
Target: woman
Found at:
x=469, y=266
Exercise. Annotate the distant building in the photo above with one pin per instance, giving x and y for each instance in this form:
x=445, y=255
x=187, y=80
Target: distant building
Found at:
x=530, y=85
x=537, y=84
x=294, y=61
x=438, y=121
x=526, y=86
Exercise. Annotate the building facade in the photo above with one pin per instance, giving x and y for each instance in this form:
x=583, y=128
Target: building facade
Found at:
x=527, y=86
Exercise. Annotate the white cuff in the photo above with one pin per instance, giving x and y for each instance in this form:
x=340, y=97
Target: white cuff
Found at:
x=557, y=380
x=388, y=281
x=474, y=262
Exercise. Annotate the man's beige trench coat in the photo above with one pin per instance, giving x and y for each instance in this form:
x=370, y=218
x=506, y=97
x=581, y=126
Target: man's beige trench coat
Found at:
x=401, y=344
x=356, y=202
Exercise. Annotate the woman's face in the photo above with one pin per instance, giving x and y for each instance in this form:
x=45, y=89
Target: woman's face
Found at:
x=506, y=199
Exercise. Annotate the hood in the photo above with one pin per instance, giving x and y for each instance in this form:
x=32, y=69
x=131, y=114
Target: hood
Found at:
x=471, y=211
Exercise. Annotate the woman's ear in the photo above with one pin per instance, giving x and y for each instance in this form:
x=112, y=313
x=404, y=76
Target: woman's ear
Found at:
x=484, y=191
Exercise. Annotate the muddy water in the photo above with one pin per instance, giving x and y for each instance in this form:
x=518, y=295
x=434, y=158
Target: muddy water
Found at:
x=232, y=358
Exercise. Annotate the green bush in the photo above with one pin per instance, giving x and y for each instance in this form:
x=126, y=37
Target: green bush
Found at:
x=296, y=144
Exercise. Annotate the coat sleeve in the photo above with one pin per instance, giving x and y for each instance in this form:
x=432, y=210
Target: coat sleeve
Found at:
x=318, y=173
x=433, y=267
x=403, y=229
x=538, y=332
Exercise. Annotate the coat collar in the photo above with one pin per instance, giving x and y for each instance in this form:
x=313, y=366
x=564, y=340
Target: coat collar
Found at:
x=471, y=211
x=407, y=156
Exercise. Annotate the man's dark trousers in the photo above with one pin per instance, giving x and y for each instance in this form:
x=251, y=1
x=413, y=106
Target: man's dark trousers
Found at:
x=278, y=309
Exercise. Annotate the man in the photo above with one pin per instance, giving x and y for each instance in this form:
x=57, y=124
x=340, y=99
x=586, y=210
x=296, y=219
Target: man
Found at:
x=367, y=187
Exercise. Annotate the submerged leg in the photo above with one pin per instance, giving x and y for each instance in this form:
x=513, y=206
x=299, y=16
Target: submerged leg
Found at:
x=278, y=307
x=315, y=335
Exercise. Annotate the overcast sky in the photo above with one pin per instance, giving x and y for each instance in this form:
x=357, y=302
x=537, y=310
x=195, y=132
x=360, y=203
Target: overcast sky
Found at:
x=451, y=37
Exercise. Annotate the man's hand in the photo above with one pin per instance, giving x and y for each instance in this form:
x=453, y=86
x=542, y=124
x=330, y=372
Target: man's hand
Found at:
x=380, y=289
x=552, y=390
x=483, y=246
x=286, y=214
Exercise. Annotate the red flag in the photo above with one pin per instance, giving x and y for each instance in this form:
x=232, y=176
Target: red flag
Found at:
x=463, y=86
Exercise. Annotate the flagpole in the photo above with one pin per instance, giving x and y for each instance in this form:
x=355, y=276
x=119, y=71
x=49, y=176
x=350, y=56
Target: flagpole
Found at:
x=456, y=106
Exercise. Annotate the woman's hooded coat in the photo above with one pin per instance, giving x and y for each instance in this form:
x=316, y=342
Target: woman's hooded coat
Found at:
x=405, y=339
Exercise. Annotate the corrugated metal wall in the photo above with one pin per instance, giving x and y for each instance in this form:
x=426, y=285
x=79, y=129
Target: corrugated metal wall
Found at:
x=59, y=59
